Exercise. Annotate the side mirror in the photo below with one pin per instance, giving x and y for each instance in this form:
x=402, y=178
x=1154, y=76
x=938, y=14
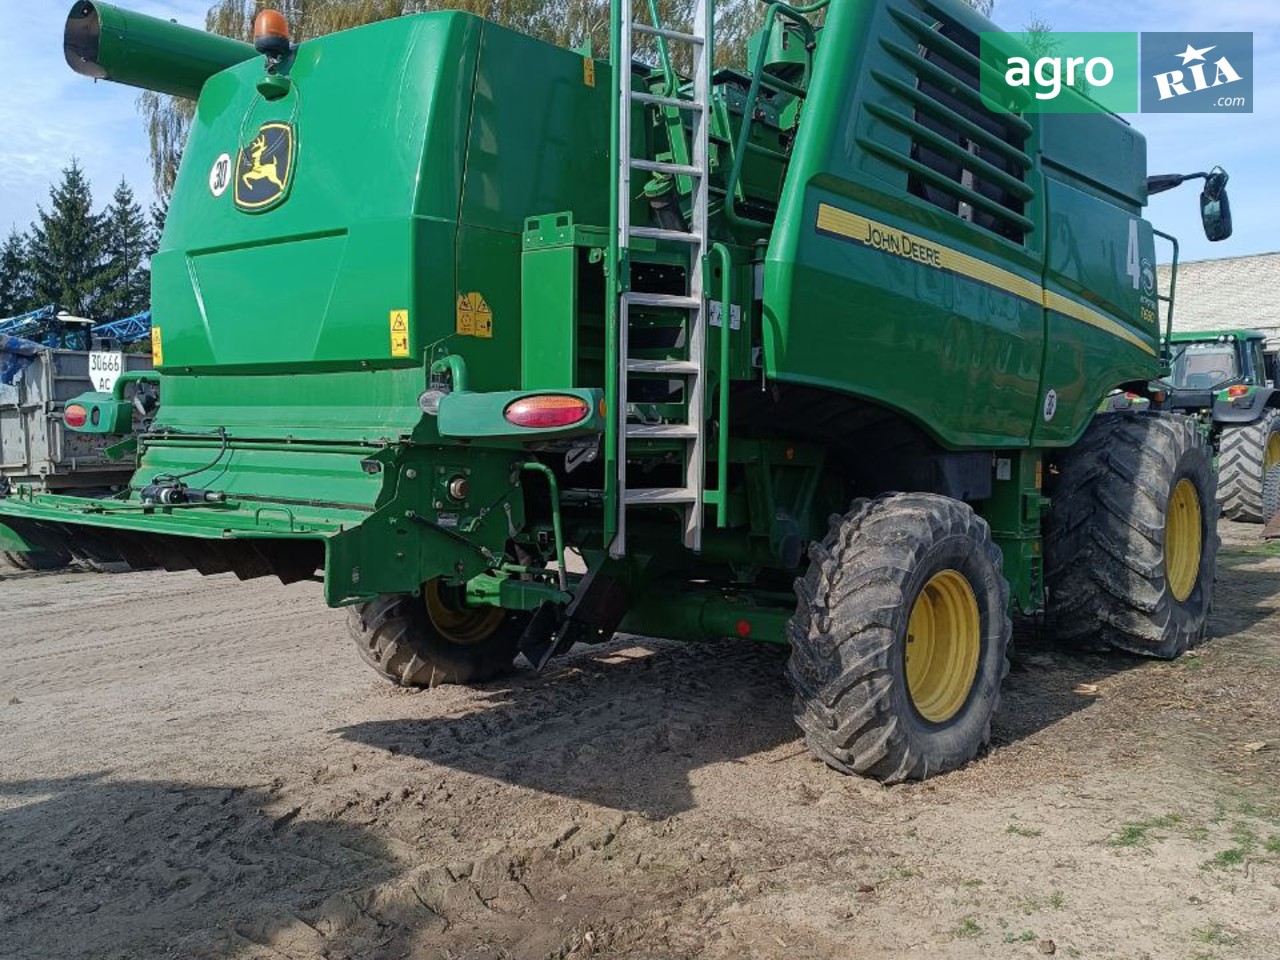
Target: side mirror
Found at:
x=1215, y=208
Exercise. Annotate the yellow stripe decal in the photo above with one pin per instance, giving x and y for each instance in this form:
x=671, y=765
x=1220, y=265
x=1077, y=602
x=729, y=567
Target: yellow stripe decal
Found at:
x=909, y=246
x=1078, y=311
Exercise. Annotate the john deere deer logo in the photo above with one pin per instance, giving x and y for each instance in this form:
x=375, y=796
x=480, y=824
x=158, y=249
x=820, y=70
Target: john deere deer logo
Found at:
x=264, y=168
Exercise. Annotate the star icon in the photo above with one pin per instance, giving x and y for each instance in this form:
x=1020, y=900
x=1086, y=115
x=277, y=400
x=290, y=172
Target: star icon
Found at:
x=1191, y=53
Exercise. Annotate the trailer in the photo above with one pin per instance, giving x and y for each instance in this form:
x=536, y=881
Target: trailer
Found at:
x=38, y=450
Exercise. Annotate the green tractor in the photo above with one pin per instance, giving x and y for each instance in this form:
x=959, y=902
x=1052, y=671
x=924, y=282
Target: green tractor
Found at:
x=1222, y=379
x=808, y=354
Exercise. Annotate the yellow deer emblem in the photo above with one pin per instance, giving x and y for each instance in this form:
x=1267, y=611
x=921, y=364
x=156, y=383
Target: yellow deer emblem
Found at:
x=262, y=171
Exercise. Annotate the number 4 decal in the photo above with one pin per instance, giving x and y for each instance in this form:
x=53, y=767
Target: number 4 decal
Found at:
x=1133, y=260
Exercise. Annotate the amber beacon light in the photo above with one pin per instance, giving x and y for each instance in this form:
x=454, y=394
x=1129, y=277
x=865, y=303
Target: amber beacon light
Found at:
x=271, y=34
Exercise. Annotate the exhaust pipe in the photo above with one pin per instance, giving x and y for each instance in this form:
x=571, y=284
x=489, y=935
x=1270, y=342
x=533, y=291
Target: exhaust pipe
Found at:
x=107, y=43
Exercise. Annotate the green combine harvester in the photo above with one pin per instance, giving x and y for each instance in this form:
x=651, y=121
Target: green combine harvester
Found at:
x=806, y=355
x=1221, y=377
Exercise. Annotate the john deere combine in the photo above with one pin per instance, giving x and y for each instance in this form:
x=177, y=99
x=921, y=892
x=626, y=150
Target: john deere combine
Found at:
x=808, y=355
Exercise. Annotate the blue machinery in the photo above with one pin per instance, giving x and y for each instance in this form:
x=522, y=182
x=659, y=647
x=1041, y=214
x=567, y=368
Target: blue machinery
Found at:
x=50, y=328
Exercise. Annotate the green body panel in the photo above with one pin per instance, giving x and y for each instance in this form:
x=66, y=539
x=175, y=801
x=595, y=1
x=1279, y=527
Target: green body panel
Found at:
x=341, y=327
x=994, y=350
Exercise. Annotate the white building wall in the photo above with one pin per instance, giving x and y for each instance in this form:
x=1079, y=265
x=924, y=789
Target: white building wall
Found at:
x=1241, y=293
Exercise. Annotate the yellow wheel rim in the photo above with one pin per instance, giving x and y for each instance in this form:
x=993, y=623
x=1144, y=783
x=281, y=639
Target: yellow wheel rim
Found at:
x=456, y=623
x=1182, y=540
x=944, y=636
x=1272, y=457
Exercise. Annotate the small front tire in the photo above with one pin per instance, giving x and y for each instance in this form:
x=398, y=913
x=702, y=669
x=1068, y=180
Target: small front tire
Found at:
x=434, y=639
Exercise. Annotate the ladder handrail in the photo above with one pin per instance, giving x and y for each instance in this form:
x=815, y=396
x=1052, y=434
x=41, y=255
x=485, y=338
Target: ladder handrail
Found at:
x=721, y=252
x=777, y=9
x=672, y=82
x=1165, y=348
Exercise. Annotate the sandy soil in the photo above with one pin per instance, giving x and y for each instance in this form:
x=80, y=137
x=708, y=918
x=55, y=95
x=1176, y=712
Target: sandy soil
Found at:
x=200, y=768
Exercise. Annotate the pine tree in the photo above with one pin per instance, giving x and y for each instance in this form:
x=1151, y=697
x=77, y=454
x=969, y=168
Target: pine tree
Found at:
x=15, y=276
x=159, y=214
x=124, y=284
x=66, y=246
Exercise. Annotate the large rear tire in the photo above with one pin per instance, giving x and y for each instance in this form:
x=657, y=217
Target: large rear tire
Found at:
x=1247, y=452
x=433, y=639
x=1131, y=542
x=900, y=639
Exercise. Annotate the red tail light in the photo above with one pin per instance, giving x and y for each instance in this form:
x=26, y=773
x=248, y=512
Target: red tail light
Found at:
x=548, y=410
x=1239, y=390
x=75, y=415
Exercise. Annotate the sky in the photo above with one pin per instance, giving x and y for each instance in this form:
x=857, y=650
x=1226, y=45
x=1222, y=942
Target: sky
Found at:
x=49, y=114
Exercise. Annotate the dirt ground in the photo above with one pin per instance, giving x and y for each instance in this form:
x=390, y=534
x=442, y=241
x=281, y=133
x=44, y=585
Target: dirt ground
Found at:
x=200, y=768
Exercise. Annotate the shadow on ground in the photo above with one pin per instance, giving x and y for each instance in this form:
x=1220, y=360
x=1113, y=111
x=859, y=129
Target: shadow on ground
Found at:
x=98, y=868
x=625, y=725
x=1247, y=587
x=620, y=725
x=1049, y=682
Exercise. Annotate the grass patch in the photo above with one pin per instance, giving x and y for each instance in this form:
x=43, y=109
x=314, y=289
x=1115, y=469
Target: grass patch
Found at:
x=1137, y=834
x=968, y=929
x=1057, y=901
x=1269, y=549
x=1243, y=834
x=1226, y=859
x=1272, y=844
x=1215, y=934
x=1018, y=831
x=1026, y=936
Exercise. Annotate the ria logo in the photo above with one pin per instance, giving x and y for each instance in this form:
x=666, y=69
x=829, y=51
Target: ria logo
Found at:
x=1197, y=73
x=1173, y=83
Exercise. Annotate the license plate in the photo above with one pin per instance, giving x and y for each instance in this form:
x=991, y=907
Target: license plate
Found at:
x=104, y=370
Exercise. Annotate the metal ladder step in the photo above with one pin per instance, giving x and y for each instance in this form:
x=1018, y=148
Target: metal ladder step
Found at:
x=663, y=166
x=657, y=233
x=689, y=163
x=641, y=299
x=675, y=367
x=658, y=495
x=661, y=431
x=655, y=100
x=676, y=35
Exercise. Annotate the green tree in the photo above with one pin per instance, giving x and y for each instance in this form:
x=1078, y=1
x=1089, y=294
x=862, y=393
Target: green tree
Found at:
x=66, y=245
x=159, y=214
x=15, y=276
x=124, y=283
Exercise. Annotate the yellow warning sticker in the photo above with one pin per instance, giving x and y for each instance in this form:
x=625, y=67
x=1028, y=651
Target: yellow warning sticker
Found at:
x=475, y=319
x=400, y=333
x=157, y=348
x=588, y=71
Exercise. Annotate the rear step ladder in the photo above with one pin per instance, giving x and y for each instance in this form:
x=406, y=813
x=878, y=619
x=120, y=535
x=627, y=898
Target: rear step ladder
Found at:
x=692, y=433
